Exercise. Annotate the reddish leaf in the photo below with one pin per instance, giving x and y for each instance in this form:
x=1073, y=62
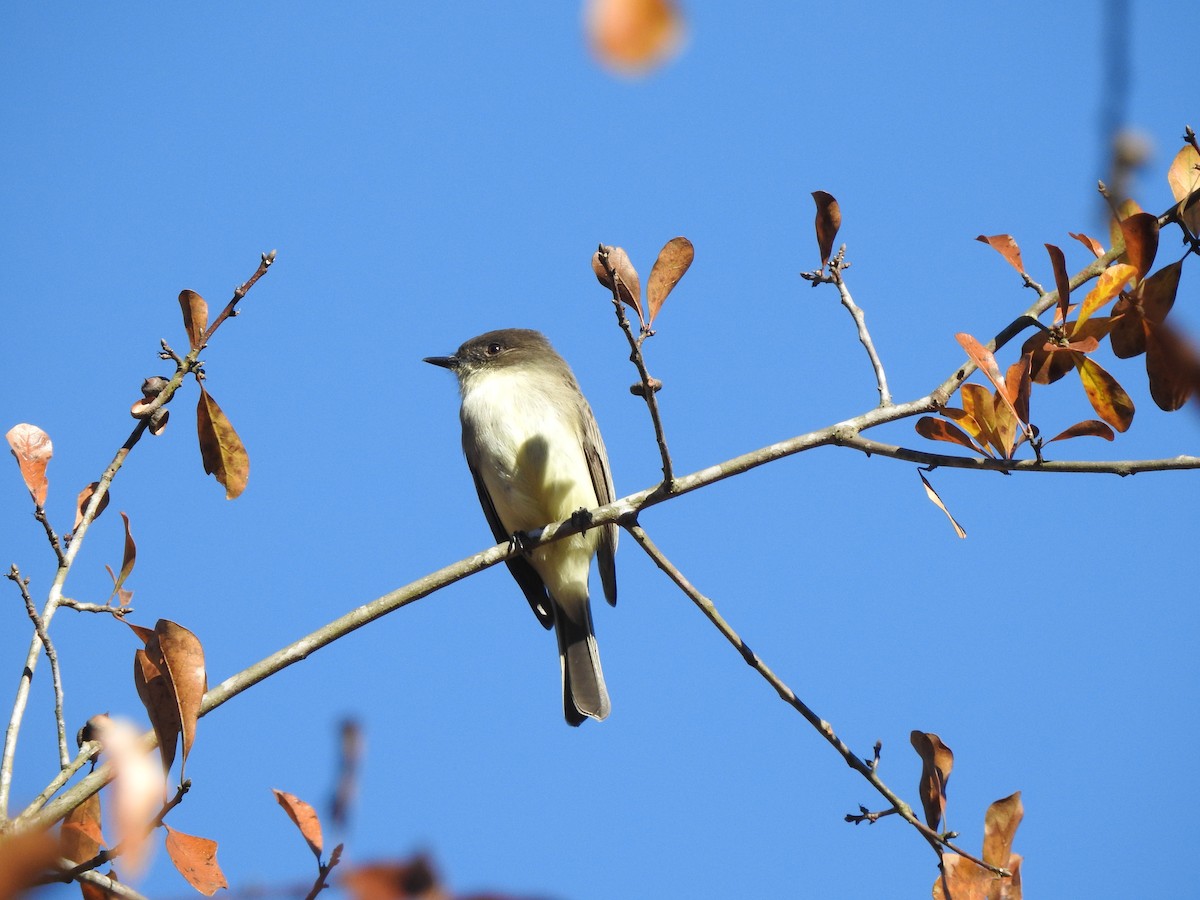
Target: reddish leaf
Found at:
x=145, y=634
x=195, y=316
x=1061, y=281
x=221, y=450
x=154, y=689
x=1006, y=247
x=983, y=358
x=941, y=430
x=1088, y=428
x=673, y=261
x=1091, y=243
x=305, y=817
x=1108, y=285
x=80, y=836
x=629, y=286
x=196, y=860
x=1141, y=241
x=183, y=664
x=937, y=501
x=85, y=497
x=1000, y=827
x=1124, y=210
x=1171, y=364
x=829, y=220
x=936, y=762
x=32, y=448
x=1107, y=397
x=1152, y=299
x=1184, y=178
x=1018, y=385
x=632, y=36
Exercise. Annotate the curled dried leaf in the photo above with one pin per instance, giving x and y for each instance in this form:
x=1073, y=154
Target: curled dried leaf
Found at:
x=32, y=449
x=672, y=263
x=183, y=663
x=85, y=497
x=305, y=817
x=629, y=286
x=1061, y=281
x=157, y=696
x=936, y=762
x=829, y=220
x=1000, y=825
x=1091, y=243
x=195, y=316
x=221, y=450
x=1006, y=247
x=937, y=501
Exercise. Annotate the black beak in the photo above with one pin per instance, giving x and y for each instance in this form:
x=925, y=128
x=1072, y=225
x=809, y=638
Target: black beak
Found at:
x=446, y=362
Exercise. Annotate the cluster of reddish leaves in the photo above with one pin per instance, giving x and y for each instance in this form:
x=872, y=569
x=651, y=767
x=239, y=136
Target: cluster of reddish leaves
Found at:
x=961, y=878
x=672, y=263
x=996, y=424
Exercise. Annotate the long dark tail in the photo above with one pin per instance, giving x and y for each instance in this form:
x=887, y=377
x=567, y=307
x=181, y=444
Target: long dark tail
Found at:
x=584, y=693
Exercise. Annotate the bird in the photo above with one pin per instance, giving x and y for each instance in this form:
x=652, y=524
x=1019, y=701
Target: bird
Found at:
x=536, y=456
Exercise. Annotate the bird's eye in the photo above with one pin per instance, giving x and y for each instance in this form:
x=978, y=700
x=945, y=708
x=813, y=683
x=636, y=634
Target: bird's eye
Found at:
x=493, y=348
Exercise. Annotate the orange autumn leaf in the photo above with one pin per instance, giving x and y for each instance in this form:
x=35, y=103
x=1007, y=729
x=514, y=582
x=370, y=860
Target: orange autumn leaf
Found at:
x=195, y=316
x=940, y=430
x=672, y=263
x=633, y=36
x=196, y=859
x=182, y=661
x=1106, y=395
x=32, y=449
x=154, y=690
x=1006, y=247
x=305, y=818
x=1091, y=243
x=221, y=450
x=1108, y=285
x=1088, y=428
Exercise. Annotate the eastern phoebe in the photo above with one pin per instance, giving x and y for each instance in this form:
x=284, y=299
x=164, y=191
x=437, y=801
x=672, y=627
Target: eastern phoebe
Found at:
x=536, y=455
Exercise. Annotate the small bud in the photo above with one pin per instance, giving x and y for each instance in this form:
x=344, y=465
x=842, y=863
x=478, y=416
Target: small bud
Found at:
x=638, y=391
x=153, y=386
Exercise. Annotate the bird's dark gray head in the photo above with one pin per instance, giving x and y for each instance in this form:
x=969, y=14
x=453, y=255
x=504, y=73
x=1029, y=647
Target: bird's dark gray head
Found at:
x=498, y=350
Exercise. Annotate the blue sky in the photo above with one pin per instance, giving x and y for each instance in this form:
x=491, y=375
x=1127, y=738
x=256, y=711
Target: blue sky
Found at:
x=428, y=172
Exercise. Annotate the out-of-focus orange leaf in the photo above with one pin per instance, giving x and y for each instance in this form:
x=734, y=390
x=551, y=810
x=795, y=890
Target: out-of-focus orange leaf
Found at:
x=630, y=287
x=1088, y=428
x=1006, y=247
x=1091, y=243
x=413, y=879
x=673, y=261
x=24, y=859
x=941, y=430
x=1000, y=827
x=138, y=789
x=1106, y=395
x=1141, y=241
x=221, y=450
x=829, y=220
x=1184, y=178
x=196, y=860
x=1058, y=261
x=128, y=559
x=32, y=448
x=633, y=36
x=305, y=817
x=154, y=689
x=1124, y=210
x=183, y=663
x=85, y=497
x=195, y=316
x=1108, y=285
x=937, y=501
x=1172, y=365
x=1157, y=293
x=80, y=836
x=936, y=762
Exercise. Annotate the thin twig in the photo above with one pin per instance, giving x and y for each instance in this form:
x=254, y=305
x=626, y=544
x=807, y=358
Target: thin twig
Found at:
x=648, y=388
x=14, y=575
x=86, y=751
x=323, y=874
x=39, y=513
x=752, y=659
x=110, y=886
x=117, y=612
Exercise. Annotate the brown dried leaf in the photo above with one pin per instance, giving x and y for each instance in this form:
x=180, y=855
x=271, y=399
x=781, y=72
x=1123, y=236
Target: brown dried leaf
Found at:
x=673, y=261
x=1058, y=261
x=1141, y=241
x=627, y=278
x=1006, y=247
x=85, y=497
x=941, y=430
x=183, y=664
x=961, y=879
x=633, y=36
x=127, y=562
x=1000, y=827
x=24, y=859
x=80, y=837
x=195, y=316
x=1124, y=210
x=221, y=450
x=829, y=220
x=1019, y=385
x=1171, y=364
x=32, y=448
x=1108, y=285
x=1087, y=428
x=1184, y=178
x=154, y=690
x=305, y=817
x=936, y=762
x=1091, y=243
x=196, y=859
x=1152, y=299
x=937, y=501
x=1106, y=395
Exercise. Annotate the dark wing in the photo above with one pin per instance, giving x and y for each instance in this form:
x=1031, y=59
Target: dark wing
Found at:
x=522, y=571
x=597, y=458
